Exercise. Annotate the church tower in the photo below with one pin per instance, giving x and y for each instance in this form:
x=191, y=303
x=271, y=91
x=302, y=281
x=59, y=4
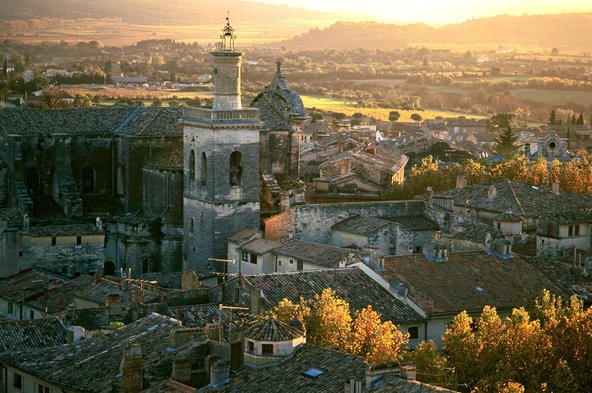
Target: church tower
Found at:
x=221, y=168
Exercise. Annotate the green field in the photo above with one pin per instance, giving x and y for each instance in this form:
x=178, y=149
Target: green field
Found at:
x=349, y=108
x=554, y=97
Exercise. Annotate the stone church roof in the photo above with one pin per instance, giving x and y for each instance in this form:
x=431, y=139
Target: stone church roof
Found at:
x=123, y=120
x=278, y=104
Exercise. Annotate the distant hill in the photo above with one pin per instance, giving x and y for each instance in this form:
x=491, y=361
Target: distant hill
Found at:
x=567, y=32
x=157, y=12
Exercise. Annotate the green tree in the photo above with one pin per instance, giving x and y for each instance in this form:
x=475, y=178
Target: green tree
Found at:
x=553, y=118
x=4, y=69
x=502, y=120
x=505, y=143
x=394, y=115
x=416, y=117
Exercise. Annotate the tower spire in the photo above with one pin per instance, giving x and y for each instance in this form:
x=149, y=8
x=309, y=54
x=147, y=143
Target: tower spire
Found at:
x=227, y=38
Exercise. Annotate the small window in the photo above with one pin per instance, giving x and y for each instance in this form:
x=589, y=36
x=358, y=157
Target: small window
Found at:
x=17, y=381
x=577, y=230
x=251, y=346
x=413, y=332
x=43, y=389
x=31, y=314
x=299, y=265
x=254, y=259
x=279, y=262
x=191, y=225
x=53, y=241
x=267, y=349
x=571, y=230
x=245, y=256
x=291, y=261
x=192, y=165
x=10, y=307
x=204, y=169
x=236, y=169
x=78, y=240
x=236, y=294
x=499, y=225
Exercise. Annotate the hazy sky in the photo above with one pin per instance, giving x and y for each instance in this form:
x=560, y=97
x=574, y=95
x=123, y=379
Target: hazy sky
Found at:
x=440, y=11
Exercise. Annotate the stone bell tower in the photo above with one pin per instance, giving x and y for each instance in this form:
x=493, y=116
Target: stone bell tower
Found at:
x=221, y=170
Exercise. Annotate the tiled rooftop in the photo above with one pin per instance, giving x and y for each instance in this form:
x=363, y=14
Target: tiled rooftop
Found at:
x=560, y=272
x=467, y=281
x=477, y=232
x=260, y=246
x=359, y=225
x=244, y=235
x=523, y=199
x=200, y=315
x=27, y=283
x=288, y=377
x=271, y=329
x=319, y=254
x=351, y=284
x=170, y=386
x=414, y=223
x=98, y=292
x=92, y=365
x=31, y=334
x=93, y=120
x=65, y=230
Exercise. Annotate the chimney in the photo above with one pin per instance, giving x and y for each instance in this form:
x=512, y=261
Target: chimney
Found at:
x=189, y=280
x=181, y=369
x=430, y=192
x=131, y=369
x=353, y=386
x=371, y=150
x=461, y=181
x=377, y=371
x=381, y=263
x=75, y=333
x=491, y=193
x=114, y=298
x=555, y=188
x=220, y=372
x=97, y=277
x=409, y=372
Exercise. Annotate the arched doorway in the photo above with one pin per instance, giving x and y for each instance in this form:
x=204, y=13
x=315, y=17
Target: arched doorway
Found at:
x=88, y=180
x=109, y=268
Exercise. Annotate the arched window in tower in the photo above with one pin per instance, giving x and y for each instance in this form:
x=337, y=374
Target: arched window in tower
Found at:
x=204, y=169
x=236, y=168
x=88, y=180
x=192, y=165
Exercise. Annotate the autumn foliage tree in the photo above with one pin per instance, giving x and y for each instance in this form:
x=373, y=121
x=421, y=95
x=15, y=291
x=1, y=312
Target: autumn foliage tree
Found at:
x=329, y=323
x=549, y=349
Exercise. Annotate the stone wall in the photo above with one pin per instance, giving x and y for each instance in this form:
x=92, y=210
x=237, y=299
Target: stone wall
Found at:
x=163, y=194
x=313, y=222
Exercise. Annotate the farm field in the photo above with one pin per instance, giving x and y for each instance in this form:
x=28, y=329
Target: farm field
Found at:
x=132, y=93
x=111, y=32
x=347, y=108
x=554, y=97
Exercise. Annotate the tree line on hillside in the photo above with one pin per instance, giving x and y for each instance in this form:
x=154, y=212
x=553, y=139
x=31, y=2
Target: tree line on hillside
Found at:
x=545, y=349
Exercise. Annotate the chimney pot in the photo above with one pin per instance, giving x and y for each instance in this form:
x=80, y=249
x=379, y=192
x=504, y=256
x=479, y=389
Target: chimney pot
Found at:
x=555, y=188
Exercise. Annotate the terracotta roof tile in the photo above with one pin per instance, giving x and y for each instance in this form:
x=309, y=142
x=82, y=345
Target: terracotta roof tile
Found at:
x=352, y=284
x=466, y=281
x=31, y=334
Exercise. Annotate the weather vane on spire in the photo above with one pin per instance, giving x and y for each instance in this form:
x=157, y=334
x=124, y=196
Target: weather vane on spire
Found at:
x=227, y=38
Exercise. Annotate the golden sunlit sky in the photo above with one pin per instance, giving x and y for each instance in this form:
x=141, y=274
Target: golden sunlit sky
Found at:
x=440, y=11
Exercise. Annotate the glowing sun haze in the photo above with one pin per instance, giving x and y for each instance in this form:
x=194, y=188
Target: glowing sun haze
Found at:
x=440, y=11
